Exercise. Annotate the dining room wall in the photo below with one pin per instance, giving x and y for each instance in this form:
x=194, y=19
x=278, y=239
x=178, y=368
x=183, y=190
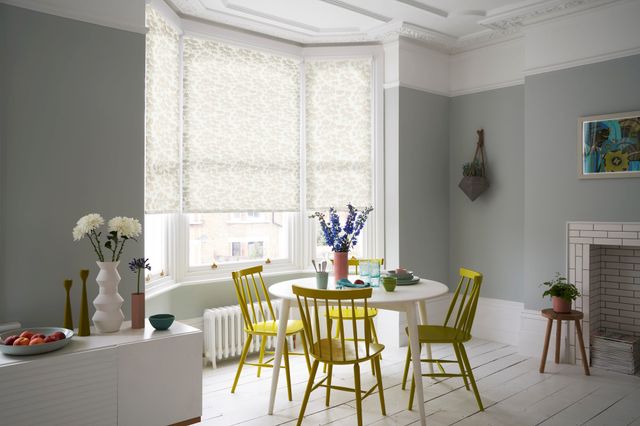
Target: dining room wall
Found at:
x=423, y=167
x=71, y=142
x=554, y=194
x=487, y=234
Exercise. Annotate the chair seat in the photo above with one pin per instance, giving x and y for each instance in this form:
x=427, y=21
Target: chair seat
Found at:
x=326, y=346
x=439, y=334
x=334, y=313
x=271, y=327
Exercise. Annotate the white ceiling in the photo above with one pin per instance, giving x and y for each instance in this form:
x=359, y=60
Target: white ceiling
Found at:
x=450, y=25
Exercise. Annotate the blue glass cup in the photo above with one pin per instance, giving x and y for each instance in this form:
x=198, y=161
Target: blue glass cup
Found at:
x=374, y=273
x=365, y=268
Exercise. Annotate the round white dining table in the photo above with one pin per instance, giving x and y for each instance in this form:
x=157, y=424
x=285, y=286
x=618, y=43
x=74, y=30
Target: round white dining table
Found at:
x=404, y=299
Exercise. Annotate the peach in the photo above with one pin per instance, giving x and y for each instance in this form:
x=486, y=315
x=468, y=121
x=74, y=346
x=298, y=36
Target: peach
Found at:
x=36, y=341
x=39, y=335
x=60, y=335
x=28, y=334
x=21, y=341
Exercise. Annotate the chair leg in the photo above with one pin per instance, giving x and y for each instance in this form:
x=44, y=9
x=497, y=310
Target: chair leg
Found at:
x=329, y=384
x=245, y=349
x=380, y=388
x=287, y=370
x=412, y=392
x=303, y=340
x=356, y=376
x=462, y=369
x=406, y=369
x=307, y=392
x=467, y=365
x=263, y=343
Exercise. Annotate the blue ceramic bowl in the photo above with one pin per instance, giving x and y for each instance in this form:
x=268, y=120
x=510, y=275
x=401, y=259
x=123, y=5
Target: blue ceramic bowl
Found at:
x=161, y=321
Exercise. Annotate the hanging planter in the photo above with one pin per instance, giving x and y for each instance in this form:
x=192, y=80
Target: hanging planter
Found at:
x=474, y=181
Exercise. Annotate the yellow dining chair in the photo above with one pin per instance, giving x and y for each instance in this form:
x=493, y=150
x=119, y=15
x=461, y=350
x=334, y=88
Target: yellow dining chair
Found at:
x=260, y=320
x=347, y=313
x=338, y=351
x=466, y=299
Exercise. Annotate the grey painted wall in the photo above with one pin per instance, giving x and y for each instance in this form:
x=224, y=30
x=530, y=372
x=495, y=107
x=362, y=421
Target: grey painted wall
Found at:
x=553, y=193
x=71, y=135
x=487, y=234
x=423, y=193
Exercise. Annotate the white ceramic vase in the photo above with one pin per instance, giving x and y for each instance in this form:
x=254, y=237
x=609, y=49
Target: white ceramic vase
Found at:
x=108, y=317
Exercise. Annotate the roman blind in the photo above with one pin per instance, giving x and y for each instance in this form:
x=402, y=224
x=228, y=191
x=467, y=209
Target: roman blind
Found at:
x=162, y=116
x=338, y=115
x=241, y=129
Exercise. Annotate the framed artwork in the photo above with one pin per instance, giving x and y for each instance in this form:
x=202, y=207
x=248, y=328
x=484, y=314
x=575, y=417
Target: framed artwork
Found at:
x=609, y=145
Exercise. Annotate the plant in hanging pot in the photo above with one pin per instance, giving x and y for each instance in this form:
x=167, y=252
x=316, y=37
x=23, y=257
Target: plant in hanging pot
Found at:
x=137, y=299
x=108, y=316
x=562, y=293
x=474, y=180
x=342, y=238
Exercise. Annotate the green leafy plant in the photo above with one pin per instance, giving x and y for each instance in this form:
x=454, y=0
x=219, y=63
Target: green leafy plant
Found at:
x=473, y=168
x=559, y=287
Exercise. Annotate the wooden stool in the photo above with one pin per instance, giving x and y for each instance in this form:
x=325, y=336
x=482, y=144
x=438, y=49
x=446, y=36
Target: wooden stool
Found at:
x=572, y=316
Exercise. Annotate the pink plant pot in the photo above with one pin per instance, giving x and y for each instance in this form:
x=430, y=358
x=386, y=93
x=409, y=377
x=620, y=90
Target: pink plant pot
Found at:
x=137, y=310
x=340, y=265
x=560, y=305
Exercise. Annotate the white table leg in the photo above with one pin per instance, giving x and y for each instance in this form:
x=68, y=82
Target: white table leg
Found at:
x=424, y=321
x=280, y=342
x=414, y=344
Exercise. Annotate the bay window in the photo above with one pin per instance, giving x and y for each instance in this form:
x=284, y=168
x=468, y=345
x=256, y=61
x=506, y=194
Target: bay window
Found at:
x=242, y=144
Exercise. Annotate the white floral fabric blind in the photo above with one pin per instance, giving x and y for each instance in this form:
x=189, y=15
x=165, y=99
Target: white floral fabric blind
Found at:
x=241, y=129
x=338, y=132
x=162, y=126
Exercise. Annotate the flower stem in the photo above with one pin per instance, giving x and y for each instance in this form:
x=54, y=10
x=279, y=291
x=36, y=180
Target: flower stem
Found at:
x=96, y=249
x=124, y=240
x=138, y=280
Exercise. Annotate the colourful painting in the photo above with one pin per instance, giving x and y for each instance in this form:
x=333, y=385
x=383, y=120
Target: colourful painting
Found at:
x=610, y=145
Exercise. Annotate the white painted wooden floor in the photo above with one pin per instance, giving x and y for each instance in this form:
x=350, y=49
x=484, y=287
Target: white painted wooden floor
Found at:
x=513, y=392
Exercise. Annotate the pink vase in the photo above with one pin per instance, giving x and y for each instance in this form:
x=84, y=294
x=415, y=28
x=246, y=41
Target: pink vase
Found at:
x=137, y=310
x=560, y=305
x=340, y=265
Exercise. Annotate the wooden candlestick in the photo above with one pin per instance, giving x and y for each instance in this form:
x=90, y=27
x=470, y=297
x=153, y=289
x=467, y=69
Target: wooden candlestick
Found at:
x=84, y=328
x=68, y=319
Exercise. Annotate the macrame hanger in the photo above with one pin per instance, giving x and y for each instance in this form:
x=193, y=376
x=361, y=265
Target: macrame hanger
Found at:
x=480, y=149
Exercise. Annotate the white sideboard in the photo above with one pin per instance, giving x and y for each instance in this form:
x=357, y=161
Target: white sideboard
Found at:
x=129, y=378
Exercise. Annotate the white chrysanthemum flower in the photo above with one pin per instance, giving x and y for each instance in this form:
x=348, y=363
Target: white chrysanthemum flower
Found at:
x=86, y=224
x=77, y=233
x=125, y=226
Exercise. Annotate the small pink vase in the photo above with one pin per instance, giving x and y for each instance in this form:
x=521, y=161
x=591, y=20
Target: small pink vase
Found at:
x=137, y=310
x=560, y=305
x=340, y=265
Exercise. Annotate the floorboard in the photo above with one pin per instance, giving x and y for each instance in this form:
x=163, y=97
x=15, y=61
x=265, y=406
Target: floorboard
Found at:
x=512, y=390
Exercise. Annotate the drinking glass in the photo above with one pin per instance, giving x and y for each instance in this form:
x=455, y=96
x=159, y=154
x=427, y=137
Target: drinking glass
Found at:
x=374, y=272
x=365, y=268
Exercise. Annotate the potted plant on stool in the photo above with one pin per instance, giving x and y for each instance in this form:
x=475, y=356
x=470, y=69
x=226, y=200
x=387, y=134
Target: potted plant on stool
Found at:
x=562, y=293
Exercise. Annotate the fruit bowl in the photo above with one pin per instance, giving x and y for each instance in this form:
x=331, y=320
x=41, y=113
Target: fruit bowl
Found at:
x=39, y=348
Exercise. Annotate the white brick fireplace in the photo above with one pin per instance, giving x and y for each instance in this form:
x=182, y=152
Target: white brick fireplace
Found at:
x=603, y=260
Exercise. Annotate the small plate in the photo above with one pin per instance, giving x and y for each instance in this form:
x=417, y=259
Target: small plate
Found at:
x=412, y=281
x=36, y=349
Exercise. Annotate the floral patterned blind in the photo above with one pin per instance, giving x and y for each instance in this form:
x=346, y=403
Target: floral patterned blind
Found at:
x=236, y=143
x=241, y=143
x=338, y=132
x=162, y=133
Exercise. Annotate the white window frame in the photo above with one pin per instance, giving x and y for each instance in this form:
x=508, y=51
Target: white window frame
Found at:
x=302, y=230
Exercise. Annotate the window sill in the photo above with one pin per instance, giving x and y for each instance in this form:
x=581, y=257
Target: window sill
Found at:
x=169, y=284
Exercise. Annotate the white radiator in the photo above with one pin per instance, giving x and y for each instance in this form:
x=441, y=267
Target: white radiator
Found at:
x=224, y=334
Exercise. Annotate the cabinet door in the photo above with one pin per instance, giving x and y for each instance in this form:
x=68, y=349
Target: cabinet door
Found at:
x=70, y=389
x=160, y=381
